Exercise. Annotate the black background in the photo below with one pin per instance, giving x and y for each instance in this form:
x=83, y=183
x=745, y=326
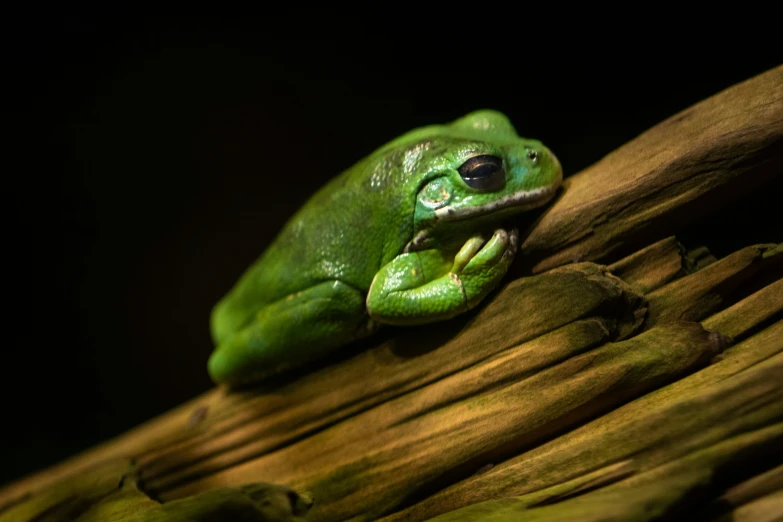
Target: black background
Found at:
x=159, y=156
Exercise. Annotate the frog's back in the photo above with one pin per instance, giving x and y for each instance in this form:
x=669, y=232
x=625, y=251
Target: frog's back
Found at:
x=345, y=232
x=332, y=237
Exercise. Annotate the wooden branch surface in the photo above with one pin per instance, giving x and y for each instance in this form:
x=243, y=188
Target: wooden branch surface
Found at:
x=678, y=171
x=581, y=392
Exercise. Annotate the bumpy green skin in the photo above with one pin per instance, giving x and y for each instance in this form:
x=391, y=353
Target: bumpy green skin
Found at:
x=399, y=238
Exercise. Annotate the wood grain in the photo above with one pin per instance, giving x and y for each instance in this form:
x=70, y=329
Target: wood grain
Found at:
x=646, y=388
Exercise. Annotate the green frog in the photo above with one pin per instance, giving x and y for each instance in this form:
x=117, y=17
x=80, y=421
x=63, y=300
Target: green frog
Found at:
x=409, y=235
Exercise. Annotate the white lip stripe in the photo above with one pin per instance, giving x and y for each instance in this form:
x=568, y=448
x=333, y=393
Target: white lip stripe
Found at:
x=528, y=196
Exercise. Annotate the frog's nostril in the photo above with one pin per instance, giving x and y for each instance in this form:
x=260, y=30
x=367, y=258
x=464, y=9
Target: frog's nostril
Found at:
x=532, y=155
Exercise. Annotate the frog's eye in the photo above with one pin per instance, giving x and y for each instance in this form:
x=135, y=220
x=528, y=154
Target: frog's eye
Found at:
x=483, y=172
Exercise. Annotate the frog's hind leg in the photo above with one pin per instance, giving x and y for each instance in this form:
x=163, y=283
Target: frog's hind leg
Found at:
x=290, y=332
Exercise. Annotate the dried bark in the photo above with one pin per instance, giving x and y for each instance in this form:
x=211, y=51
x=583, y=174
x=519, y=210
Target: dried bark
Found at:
x=582, y=392
x=740, y=393
x=683, y=169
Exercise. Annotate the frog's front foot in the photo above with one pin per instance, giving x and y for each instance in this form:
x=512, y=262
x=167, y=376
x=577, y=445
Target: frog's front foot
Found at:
x=484, y=270
x=402, y=293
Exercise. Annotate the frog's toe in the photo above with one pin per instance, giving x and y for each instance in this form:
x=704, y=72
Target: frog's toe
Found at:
x=492, y=252
x=247, y=357
x=223, y=366
x=513, y=239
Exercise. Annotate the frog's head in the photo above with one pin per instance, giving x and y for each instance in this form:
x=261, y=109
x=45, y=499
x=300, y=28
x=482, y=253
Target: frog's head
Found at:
x=476, y=172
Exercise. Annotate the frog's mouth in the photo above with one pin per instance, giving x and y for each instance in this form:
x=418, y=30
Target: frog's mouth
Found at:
x=523, y=200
